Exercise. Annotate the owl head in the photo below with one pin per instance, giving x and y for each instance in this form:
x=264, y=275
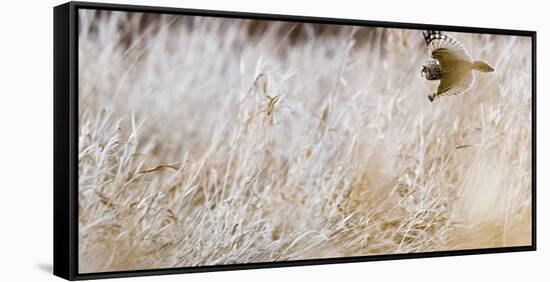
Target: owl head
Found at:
x=431, y=70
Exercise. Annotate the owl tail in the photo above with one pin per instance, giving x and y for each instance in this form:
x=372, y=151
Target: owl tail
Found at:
x=482, y=66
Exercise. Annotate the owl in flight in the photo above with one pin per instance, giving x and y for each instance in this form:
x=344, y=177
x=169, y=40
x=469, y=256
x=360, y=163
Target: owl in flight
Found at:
x=452, y=65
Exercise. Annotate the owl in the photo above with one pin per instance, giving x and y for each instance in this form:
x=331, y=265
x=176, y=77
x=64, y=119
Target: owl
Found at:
x=451, y=65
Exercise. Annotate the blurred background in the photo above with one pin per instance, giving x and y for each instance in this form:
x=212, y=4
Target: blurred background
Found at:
x=284, y=141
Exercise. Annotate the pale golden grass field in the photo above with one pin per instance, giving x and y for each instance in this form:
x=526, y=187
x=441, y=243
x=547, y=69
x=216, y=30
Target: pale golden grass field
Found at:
x=204, y=144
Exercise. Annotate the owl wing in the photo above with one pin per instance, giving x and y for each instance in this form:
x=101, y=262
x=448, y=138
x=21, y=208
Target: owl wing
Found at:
x=454, y=85
x=444, y=47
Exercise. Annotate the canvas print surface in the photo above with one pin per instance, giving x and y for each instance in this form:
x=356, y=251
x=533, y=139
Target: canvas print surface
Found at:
x=214, y=141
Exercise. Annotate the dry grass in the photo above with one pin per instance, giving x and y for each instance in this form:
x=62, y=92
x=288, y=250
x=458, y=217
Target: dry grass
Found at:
x=202, y=145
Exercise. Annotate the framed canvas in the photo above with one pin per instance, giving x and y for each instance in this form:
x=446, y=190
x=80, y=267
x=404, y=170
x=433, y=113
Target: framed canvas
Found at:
x=192, y=140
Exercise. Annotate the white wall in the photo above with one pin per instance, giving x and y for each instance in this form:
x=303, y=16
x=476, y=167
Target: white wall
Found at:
x=26, y=139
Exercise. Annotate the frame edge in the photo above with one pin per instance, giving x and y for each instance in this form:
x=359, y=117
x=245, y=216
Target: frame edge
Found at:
x=63, y=215
x=534, y=140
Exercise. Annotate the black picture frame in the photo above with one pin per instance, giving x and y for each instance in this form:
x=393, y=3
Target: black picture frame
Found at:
x=65, y=263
